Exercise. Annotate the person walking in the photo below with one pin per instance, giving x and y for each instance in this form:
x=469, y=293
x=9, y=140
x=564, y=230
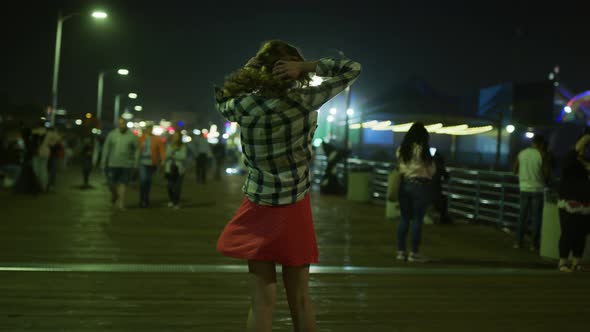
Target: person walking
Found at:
x=574, y=207
x=86, y=154
x=415, y=193
x=176, y=155
x=151, y=155
x=56, y=152
x=218, y=151
x=270, y=98
x=201, y=151
x=119, y=157
x=532, y=169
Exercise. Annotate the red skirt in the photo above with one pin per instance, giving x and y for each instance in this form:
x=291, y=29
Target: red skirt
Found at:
x=281, y=234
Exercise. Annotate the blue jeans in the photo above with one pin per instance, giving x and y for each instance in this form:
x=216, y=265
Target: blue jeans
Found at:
x=414, y=199
x=145, y=183
x=174, y=188
x=531, y=205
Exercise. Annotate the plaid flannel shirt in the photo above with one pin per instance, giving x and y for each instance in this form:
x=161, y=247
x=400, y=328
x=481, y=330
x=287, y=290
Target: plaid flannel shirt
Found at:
x=277, y=133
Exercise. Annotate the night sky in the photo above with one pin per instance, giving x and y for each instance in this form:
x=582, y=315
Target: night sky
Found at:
x=177, y=50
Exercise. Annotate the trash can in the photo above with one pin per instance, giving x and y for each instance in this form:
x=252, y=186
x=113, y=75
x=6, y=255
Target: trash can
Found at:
x=359, y=180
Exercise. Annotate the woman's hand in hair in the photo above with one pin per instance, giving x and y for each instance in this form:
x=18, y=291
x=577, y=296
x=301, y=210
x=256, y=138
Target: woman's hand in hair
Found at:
x=288, y=69
x=293, y=69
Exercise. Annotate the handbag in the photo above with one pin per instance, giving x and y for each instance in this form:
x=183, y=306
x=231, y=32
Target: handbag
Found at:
x=393, y=183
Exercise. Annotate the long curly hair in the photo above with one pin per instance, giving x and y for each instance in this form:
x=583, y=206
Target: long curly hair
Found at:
x=416, y=135
x=256, y=76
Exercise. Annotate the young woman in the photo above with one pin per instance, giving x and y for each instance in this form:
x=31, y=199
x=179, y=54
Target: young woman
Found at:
x=270, y=98
x=574, y=207
x=415, y=194
x=174, y=168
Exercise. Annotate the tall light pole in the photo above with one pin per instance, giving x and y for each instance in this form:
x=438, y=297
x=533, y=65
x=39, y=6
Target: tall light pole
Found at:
x=99, y=97
x=118, y=106
x=58, y=34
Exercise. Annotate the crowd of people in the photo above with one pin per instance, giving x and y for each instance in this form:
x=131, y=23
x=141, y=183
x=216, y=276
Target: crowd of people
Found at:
x=31, y=160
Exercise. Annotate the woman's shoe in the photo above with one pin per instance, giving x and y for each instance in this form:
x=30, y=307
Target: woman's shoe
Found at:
x=417, y=258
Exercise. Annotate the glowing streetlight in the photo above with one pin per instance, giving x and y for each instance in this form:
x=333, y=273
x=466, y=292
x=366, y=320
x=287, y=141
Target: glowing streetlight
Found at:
x=123, y=72
x=138, y=108
x=510, y=129
x=132, y=95
x=350, y=112
x=58, y=37
x=567, y=109
x=99, y=15
x=333, y=111
x=529, y=134
x=78, y=122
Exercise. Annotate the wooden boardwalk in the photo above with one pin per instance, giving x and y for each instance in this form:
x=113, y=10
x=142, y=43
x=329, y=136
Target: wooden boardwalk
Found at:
x=69, y=262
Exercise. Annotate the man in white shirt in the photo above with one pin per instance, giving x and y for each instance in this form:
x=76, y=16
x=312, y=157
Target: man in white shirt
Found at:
x=532, y=169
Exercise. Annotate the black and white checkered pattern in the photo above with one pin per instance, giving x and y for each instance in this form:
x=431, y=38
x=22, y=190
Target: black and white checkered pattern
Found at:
x=277, y=133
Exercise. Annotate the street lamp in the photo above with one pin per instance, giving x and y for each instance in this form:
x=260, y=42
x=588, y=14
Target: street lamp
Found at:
x=138, y=108
x=118, y=105
x=122, y=72
x=132, y=95
x=99, y=15
x=60, y=21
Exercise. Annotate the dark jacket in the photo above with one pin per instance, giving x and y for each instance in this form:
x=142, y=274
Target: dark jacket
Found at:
x=575, y=184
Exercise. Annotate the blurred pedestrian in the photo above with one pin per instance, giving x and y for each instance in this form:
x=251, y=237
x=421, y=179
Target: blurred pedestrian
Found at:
x=119, y=157
x=574, y=207
x=201, y=150
x=219, y=155
x=270, y=98
x=56, y=152
x=39, y=160
x=415, y=193
x=151, y=155
x=439, y=199
x=176, y=155
x=533, y=169
x=86, y=156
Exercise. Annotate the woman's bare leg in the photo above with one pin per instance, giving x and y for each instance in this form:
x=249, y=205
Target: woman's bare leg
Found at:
x=296, y=280
x=263, y=283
